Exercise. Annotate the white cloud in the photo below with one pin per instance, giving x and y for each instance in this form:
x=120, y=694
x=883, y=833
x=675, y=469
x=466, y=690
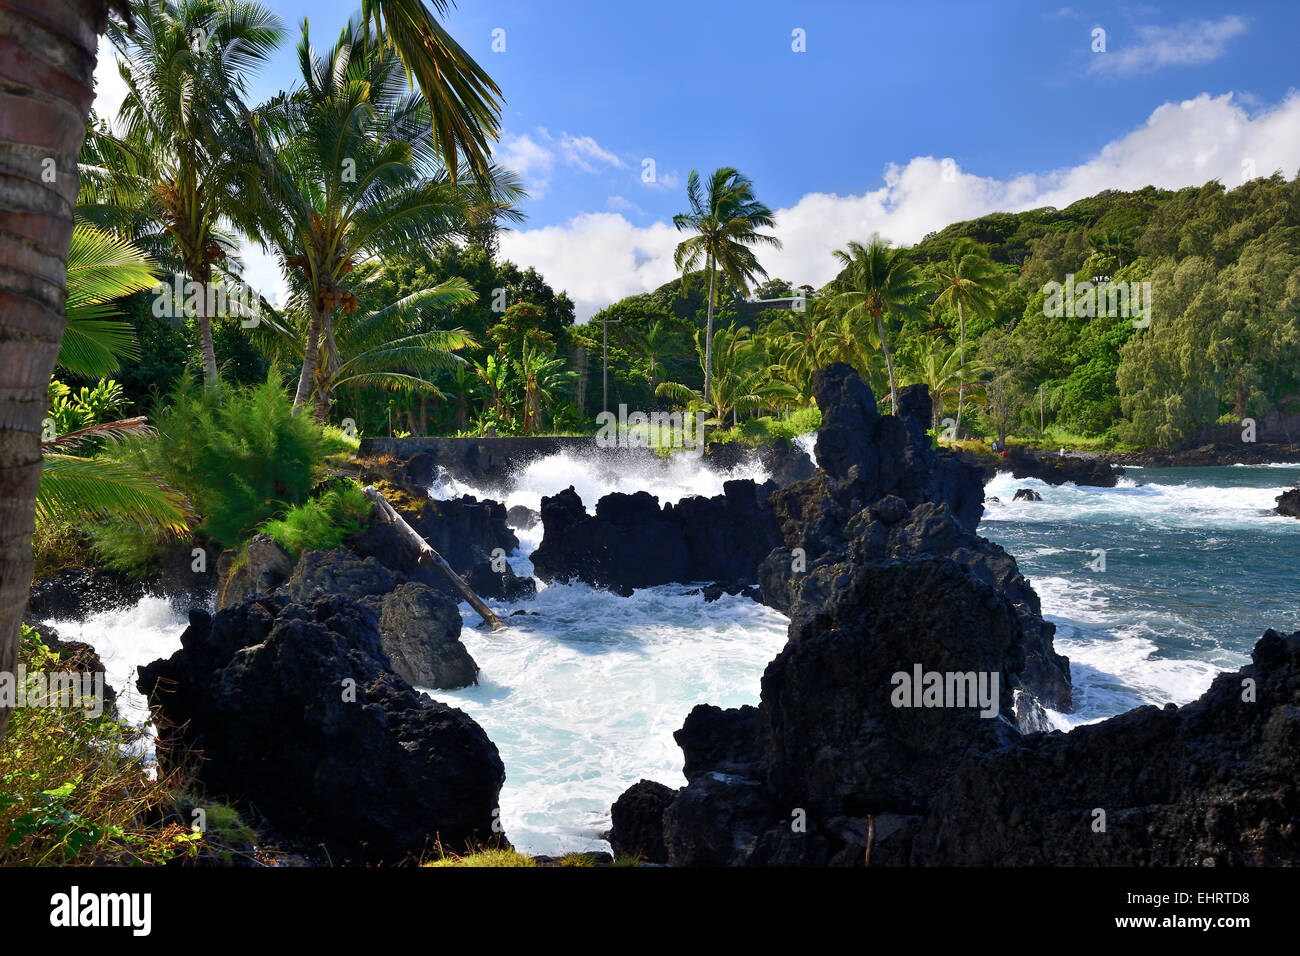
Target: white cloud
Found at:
x=624, y=205
x=110, y=89
x=533, y=161
x=586, y=154
x=601, y=257
x=1187, y=44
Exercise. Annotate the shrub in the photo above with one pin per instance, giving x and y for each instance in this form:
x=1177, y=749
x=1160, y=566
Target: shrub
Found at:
x=322, y=522
x=241, y=456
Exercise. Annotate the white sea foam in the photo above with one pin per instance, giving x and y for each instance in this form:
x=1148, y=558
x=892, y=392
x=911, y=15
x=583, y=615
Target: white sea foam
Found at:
x=582, y=699
x=126, y=638
x=678, y=477
x=1190, y=505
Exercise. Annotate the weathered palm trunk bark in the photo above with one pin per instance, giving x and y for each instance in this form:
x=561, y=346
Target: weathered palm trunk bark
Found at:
x=889, y=364
x=327, y=363
x=308, y=373
x=961, y=385
x=47, y=61
x=203, y=276
x=708, y=339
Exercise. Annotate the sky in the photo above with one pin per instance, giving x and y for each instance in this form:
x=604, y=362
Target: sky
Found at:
x=851, y=118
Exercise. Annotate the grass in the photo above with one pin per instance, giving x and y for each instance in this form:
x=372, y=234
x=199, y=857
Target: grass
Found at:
x=57, y=545
x=505, y=856
x=483, y=856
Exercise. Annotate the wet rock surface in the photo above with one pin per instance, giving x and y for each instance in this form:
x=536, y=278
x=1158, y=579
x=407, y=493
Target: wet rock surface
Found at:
x=1288, y=503
x=1057, y=470
x=1215, y=782
x=632, y=542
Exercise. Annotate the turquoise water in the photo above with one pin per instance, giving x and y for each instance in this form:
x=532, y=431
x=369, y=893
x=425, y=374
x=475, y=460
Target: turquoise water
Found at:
x=1196, y=568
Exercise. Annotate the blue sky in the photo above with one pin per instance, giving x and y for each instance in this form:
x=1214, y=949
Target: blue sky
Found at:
x=897, y=117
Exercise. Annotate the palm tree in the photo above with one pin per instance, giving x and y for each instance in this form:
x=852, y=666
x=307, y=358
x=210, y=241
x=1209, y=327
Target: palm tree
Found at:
x=655, y=342
x=726, y=220
x=805, y=343
x=876, y=281
x=48, y=95
x=848, y=342
x=390, y=348
x=743, y=381
x=348, y=171
x=169, y=180
x=942, y=368
x=542, y=375
x=464, y=101
x=102, y=268
x=967, y=279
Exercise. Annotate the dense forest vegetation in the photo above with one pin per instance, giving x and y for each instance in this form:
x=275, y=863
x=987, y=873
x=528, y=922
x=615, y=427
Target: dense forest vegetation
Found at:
x=403, y=318
x=1223, y=342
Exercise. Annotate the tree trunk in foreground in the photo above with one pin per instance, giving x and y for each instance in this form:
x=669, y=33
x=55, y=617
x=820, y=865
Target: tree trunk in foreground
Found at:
x=203, y=275
x=889, y=364
x=47, y=62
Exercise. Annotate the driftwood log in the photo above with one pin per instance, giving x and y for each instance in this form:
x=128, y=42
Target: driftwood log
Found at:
x=430, y=557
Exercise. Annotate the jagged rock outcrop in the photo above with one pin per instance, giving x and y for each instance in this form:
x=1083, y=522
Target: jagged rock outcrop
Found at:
x=74, y=593
x=298, y=714
x=1056, y=469
x=492, y=584
x=885, y=494
x=631, y=542
x=419, y=629
x=522, y=517
x=637, y=821
x=1288, y=503
x=1026, y=494
x=885, y=582
x=419, y=626
x=1212, y=783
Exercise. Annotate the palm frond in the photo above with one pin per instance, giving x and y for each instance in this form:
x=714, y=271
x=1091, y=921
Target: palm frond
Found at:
x=79, y=489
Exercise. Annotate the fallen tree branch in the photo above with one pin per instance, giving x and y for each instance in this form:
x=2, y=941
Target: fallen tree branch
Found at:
x=431, y=557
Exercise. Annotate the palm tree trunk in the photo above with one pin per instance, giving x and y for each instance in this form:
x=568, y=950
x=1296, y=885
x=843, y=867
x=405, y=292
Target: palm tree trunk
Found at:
x=203, y=276
x=708, y=336
x=327, y=362
x=47, y=61
x=961, y=362
x=308, y=359
x=889, y=364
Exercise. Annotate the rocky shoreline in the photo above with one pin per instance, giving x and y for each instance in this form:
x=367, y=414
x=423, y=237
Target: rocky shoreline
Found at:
x=299, y=688
x=830, y=769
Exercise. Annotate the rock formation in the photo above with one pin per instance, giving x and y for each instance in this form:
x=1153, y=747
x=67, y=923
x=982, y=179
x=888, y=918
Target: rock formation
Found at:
x=885, y=730
x=298, y=714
